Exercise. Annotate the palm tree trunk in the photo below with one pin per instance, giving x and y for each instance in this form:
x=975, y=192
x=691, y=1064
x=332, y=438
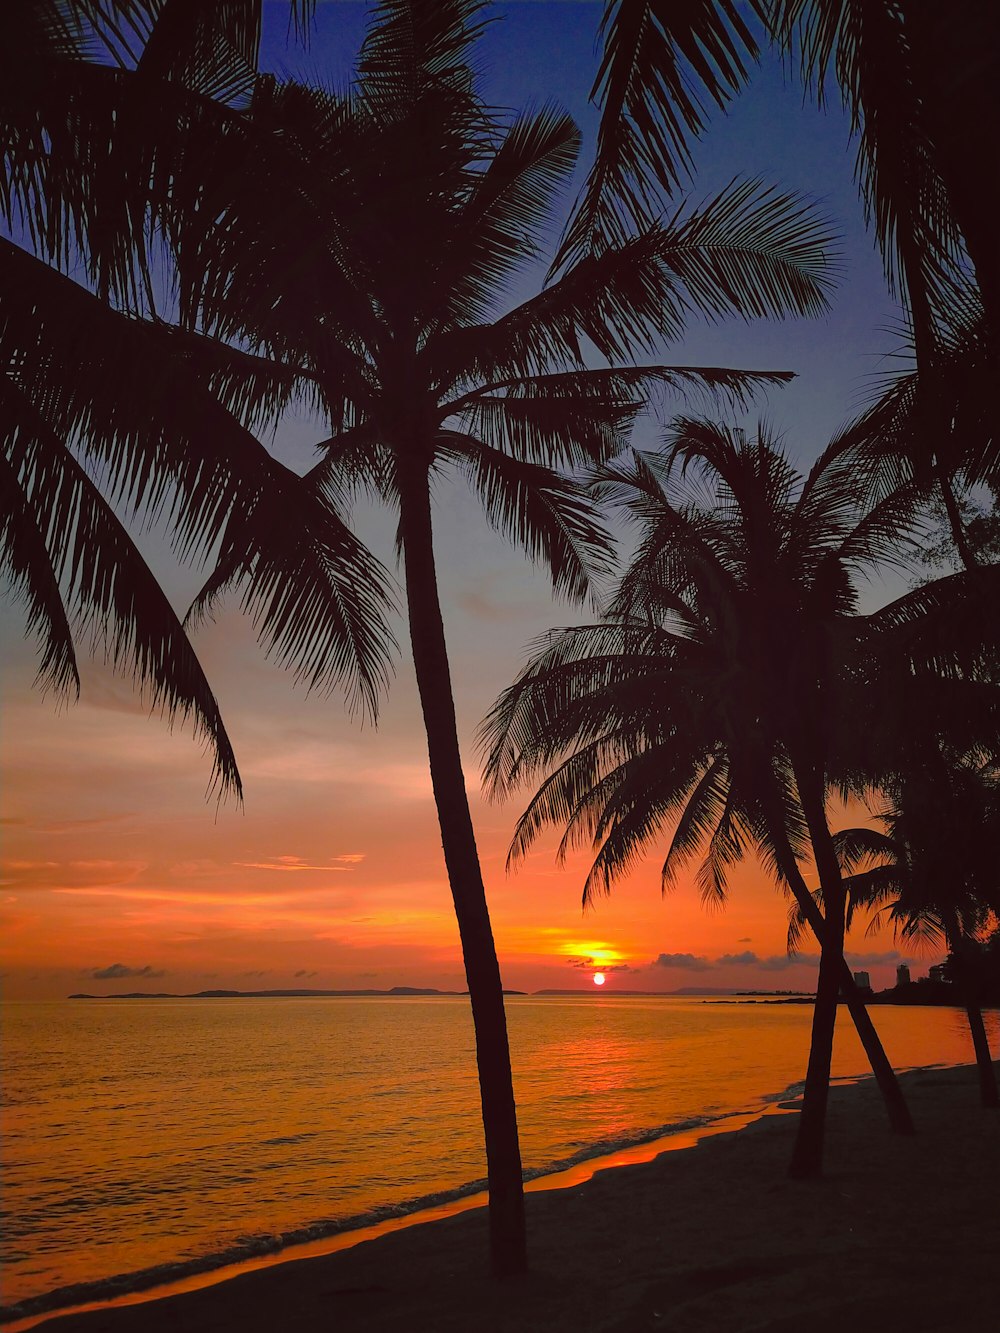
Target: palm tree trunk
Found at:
x=896, y=1108
x=900, y=1119
x=807, y=1154
x=508, y=1253
x=958, y=533
x=988, y=1093
x=958, y=943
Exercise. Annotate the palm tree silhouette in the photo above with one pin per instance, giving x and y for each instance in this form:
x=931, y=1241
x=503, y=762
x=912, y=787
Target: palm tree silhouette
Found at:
x=933, y=424
x=917, y=82
x=931, y=871
x=101, y=403
x=376, y=277
x=711, y=694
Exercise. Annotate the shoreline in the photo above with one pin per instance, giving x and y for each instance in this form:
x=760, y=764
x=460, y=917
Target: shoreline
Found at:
x=680, y=1229
x=111, y=1293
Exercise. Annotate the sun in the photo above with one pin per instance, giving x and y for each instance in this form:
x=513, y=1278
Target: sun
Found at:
x=599, y=978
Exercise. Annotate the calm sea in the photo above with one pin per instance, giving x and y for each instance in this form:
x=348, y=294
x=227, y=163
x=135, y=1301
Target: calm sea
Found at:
x=166, y=1134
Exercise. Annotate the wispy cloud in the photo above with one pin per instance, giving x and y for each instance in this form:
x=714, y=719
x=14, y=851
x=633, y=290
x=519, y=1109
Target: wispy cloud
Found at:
x=293, y=863
x=586, y=964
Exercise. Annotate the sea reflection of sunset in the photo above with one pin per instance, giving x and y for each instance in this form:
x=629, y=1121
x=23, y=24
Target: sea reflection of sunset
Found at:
x=367, y=1104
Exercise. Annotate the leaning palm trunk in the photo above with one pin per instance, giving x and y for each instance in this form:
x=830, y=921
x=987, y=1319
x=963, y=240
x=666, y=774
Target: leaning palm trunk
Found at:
x=900, y=1119
x=508, y=1254
x=807, y=1155
x=959, y=945
x=988, y=1094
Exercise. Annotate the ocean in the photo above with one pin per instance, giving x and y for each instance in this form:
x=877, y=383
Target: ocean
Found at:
x=146, y=1139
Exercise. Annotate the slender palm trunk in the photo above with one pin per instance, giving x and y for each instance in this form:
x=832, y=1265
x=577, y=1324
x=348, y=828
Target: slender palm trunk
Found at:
x=807, y=1155
x=958, y=533
x=959, y=945
x=988, y=1093
x=508, y=1254
x=900, y=1119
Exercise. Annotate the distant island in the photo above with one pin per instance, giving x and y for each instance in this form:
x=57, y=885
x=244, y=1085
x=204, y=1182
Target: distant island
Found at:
x=921, y=992
x=398, y=990
x=259, y=994
x=596, y=992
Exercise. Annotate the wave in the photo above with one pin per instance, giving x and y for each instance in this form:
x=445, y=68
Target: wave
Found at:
x=253, y=1247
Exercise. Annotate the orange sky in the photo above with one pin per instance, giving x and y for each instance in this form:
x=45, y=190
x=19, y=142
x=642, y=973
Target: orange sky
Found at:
x=119, y=875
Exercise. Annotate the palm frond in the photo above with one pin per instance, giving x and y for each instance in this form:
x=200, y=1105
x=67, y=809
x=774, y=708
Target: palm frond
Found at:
x=499, y=228
x=726, y=848
x=700, y=817
x=754, y=251
x=534, y=506
x=592, y=411
x=660, y=60
x=25, y=561
x=317, y=598
x=211, y=49
x=634, y=811
x=112, y=594
x=412, y=49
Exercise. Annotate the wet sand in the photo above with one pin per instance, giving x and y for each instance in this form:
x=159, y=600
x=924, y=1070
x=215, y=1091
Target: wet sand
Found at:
x=901, y=1234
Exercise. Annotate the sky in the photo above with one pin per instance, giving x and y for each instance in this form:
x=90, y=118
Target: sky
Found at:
x=119, y=873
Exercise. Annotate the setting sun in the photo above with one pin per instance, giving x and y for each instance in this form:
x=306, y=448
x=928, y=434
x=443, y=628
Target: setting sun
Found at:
x=598, y=978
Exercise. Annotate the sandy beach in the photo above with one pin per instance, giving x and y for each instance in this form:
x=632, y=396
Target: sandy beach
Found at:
x=900, y=1234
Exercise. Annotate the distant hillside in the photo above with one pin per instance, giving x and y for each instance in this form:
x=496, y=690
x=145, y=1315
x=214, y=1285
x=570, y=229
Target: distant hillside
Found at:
x=259, y=994
x=268, y=994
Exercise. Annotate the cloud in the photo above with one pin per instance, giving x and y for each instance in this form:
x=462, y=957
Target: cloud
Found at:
x=686, y=962
x=744, y=939
x=779, y=962
x=689, y=962
x=303, y=973
x=889, y=956
x=67, y=825
x=346, y=862
x=482, y=605
x=117, y=971
x=595, y=963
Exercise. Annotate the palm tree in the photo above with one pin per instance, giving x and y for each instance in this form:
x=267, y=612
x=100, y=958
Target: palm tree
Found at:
x=920, y=84
x=712, y=695
x=931, y=871
x=375, y=279
x=101, y=404
x=916, y=81
x=935, y=427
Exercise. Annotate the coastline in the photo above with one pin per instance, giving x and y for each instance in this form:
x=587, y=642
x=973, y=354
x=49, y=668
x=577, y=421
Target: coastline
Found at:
x=713, y=1239
x=266, y=1251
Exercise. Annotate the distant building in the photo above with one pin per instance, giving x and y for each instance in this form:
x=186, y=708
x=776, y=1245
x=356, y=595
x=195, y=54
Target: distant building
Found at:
x=902, y=975
x=936, y=973
x=862, y=980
